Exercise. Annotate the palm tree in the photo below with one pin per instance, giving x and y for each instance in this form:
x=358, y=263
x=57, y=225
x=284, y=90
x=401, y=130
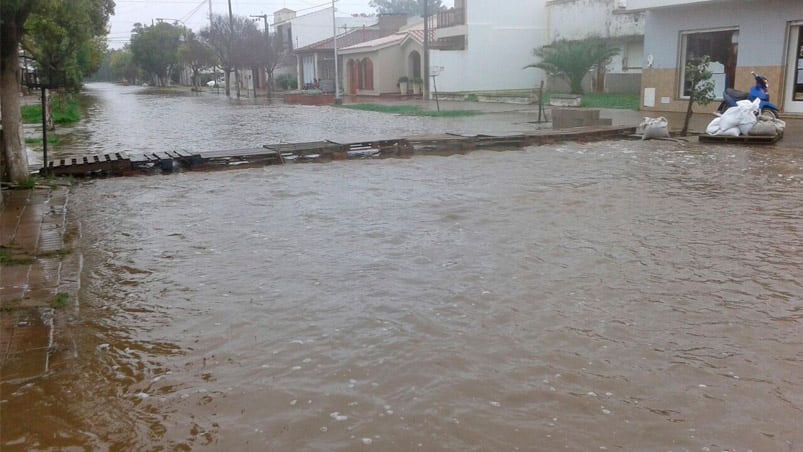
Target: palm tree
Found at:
x=572, y=60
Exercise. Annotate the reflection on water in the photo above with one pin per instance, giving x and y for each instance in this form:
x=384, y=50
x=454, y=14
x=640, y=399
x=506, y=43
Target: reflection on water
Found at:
x=617, y=295
x=139, y=120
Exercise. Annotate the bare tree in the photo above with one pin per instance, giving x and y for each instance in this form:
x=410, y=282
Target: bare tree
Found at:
x=196, y=55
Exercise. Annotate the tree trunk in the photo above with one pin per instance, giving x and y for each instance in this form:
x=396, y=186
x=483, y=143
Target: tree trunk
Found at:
x=16, y=159
x=599, y=87
x=685, y=130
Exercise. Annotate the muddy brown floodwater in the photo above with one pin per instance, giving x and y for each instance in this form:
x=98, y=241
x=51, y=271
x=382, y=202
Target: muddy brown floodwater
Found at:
x=606, y=296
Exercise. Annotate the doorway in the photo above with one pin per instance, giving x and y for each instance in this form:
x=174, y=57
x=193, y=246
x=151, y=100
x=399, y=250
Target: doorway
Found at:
x=793, y=96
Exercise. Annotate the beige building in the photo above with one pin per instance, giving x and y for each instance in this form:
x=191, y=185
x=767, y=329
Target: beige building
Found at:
x=373, y=68
x=739, y=36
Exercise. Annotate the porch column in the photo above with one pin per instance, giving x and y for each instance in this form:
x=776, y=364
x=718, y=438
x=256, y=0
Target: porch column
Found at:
x=299, y=85
x=315, y=65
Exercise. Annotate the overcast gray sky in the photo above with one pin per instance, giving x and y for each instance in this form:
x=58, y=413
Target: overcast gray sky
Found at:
x=195, y=13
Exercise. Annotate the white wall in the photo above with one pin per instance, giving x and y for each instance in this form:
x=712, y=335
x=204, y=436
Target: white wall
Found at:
x=312, y=27
x=641, y=4
x=580, y=19
x=317, y=26
x=500, y=39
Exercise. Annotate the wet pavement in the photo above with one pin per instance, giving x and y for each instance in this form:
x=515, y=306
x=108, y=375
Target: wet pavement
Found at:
x=36, y=286
x=34, y=223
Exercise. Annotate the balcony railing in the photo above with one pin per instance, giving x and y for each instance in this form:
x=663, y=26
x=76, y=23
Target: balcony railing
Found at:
x=451, y=18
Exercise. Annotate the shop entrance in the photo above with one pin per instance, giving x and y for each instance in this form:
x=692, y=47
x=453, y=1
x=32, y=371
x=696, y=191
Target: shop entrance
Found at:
x=793, y=98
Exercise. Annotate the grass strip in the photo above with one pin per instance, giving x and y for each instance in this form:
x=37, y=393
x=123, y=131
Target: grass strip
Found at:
x=64, y=111
x=411, y=110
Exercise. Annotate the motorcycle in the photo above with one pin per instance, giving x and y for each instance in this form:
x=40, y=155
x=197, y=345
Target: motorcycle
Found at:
x=759, y=90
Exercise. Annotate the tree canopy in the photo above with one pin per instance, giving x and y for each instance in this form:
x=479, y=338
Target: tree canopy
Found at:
x=572, y=60
x=61, y=35
x=407, y=7
x=236, y=43
x=122, y=66
x=155, y=48
x=195, y=55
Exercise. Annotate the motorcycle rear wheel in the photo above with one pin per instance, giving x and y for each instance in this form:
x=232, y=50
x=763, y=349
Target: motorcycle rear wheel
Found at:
x=769, y=113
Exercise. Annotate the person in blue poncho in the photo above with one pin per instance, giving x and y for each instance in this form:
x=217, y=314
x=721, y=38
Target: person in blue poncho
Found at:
x=759, y=90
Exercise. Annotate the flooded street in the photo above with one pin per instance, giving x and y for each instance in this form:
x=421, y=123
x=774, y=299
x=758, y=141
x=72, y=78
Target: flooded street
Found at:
x=622, y=295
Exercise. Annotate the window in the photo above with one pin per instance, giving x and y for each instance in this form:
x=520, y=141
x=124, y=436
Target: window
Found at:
x=722, y=46
x=797, y=87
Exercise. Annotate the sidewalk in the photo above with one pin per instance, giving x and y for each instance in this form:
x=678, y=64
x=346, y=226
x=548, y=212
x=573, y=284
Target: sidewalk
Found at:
x=32, y=229
x=527, y=114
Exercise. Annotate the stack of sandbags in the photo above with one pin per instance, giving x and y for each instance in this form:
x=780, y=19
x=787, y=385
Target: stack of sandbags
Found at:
x=736, y=120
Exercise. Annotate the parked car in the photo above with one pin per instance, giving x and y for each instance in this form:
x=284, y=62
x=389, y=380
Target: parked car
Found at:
x=221, y=83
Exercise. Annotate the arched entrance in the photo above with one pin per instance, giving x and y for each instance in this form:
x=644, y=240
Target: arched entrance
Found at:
x=414, y=64
x=367, y=74
x=354, y=80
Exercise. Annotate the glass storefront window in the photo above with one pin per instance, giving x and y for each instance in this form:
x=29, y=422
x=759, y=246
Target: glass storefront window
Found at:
x=722, y=46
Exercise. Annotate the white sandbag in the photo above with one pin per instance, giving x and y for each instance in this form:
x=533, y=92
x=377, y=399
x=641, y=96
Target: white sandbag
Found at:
x=741, y=116
x=747, y=123
x=654, y=128
x=714, y=126
x=732, y=132
x=731, y=118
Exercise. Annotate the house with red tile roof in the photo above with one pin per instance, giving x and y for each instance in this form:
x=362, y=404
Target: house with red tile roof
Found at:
x=315, y=62
x=374, y=68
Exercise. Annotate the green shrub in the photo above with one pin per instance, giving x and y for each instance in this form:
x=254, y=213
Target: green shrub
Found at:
x=287, y=82
x=28, y=183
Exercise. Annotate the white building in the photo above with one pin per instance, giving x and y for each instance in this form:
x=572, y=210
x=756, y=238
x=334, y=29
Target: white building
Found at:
x=295, y=32
x=573, y=20
x=483, y=46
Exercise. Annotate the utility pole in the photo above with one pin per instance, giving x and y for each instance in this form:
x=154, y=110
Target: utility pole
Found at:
x=231, y=41
x=426, y=49
x=338, y=100
x=214, y=67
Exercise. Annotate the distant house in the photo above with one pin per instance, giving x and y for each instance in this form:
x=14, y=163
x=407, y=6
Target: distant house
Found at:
x=739, y=36
x=315, y=62
x=294, y=32
x=609, y=20
x=373, y=68
x=483, y=46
